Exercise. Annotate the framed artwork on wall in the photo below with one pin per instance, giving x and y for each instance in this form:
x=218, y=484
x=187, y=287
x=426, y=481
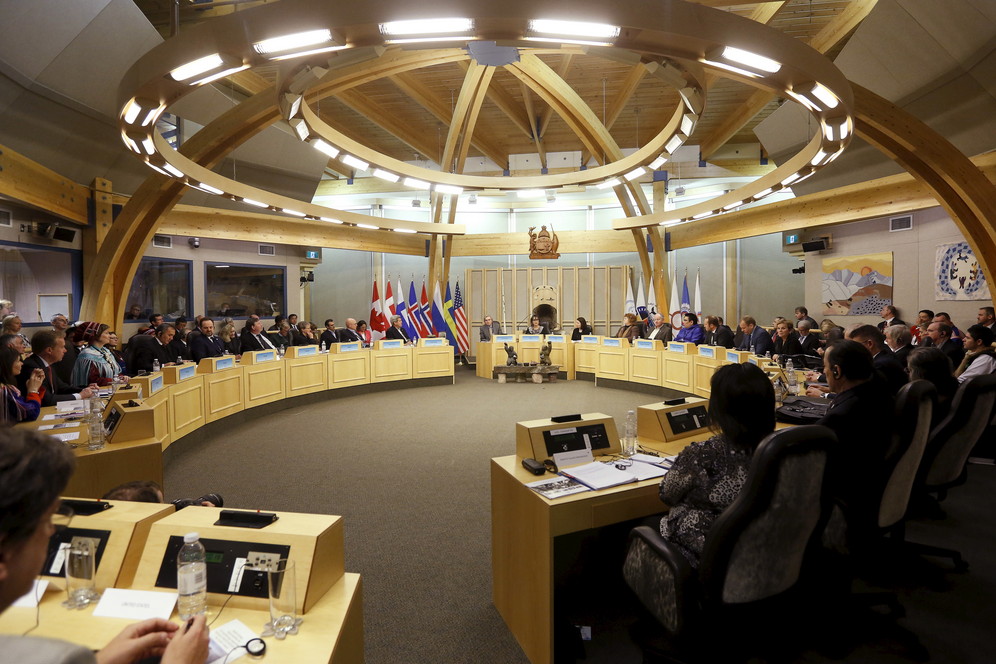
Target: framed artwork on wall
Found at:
x=857, y=285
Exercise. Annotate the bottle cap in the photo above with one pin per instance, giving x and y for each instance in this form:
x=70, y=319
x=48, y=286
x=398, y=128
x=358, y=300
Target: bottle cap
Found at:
x=190, y=537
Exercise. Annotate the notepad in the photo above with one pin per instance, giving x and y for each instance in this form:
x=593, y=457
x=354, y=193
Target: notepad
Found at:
x=597, y=475
x=645, y=471
x=663, y=462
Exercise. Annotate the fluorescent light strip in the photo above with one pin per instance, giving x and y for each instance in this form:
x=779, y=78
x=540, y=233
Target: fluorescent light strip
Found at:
x=331, y=221
x=687, y=124
x=301, y=54
x=417, y=184
x=702, y=215
x=132, y=109
x=803, y=100
x=196, y=67
x=819, y=158
x=300, y=128
x=405, y=230
x=530, y=193
x=155, y=168
x=131, y=143
x=790, y=179
x=828, y=132
x=249, y=201
x=293, y=41
x=674, y=143
x=729, y=67
x=221, y=74
x=750, y=59
x=554, y=39
x=350, y=160
x=580, y=29
x=324, y=147
x=732, y=206
x=173, y=170
x=427, y=26
x=636, y=173
x=209, y=189
x=449, y=189
x=608, y=184
x=844, y=129
x=823, y=93
x=657, y=163
x=152, y=115
x=293, y=213
x=386, y=175
x=368, y=227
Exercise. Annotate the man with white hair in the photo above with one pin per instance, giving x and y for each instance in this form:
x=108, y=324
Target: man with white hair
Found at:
x=660, y=331
x=899, y=339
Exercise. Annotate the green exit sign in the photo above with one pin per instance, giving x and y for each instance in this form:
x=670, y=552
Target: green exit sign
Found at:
x=792, y=239
x=311, y=254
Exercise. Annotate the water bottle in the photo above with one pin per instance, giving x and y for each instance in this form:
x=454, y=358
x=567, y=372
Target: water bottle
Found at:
x=752, y=350
x=95, y=423
x=281, y=350
x=191, y=577
x=322, y=349
x=629, y=434
x=792, y=379
x=156, y=366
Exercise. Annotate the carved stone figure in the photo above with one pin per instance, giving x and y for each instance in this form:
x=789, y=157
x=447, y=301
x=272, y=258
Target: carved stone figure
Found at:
x=545, y=354
x=513, y=357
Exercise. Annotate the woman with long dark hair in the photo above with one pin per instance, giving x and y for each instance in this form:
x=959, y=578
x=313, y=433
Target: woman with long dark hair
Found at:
x=581, y=328
x=17, y=407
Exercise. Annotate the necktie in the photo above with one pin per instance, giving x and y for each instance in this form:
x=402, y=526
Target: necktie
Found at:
x=51, y=383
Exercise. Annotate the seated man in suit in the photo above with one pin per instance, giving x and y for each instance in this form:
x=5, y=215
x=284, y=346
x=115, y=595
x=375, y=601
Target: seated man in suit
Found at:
x=206, y=344
x=717, y=334
x=253, y=338
x=755, y=337
x=349, y=333
x=900, y=339
x=396, y=331
x=489, y=329
x=884, y=361
x=47, y=348
x=802, y=314
x=329, y=335
x=808, y=340
x=980, y=357
x=156, y=348
x=891, y=316
x=940, y=336
x=661, y=330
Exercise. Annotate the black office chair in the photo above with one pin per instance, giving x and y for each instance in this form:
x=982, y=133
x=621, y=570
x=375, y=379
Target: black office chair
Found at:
x=753, y=553
x=945, y=460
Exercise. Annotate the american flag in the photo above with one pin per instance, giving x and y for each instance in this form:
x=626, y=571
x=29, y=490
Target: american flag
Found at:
x=460, y=318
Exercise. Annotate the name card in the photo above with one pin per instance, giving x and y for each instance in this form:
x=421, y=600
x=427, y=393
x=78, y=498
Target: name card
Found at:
x=265, y=356
x=226, y=362
x=155, y=384
x=753, y=360
x=676, y=347
x=612, y=342
x=187, y=371
x=436, y=342
x=504, y=338
x=707, y=351
x=589, y=339
x=135, y=604
x=732, y=356
x=531, y=337
x=644, y=344
x=349, y=347
x=556, y=338
x=307, y=351
x=391, y=343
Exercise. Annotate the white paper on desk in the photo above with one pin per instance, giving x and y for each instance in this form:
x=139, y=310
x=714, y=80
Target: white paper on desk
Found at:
x=135, y=604
x=60, y=425
x=645, y=471
x=597, y=475
x=70, y=406
x=30, y=598
x=224, y=639
x=66, y=437
x=663, y=462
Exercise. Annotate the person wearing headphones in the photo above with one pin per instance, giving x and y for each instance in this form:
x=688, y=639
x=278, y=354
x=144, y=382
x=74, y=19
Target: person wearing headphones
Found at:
x=861, y=414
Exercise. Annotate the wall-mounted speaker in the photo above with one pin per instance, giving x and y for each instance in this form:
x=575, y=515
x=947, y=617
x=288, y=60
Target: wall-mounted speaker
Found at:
x=815, y=245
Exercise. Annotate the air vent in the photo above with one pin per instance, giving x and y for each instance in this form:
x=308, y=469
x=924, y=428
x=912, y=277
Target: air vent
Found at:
x=900, y=223
x=5, y=218
x=162, y=241
x=267, y=250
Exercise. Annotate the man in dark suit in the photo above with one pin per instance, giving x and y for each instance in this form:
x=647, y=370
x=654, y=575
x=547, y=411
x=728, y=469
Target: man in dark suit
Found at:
x=206, y=344
x=659, y=330
x=940, y=336
x=891, y=316
x=47, y=348
x=884, y=362
x=755, y=336
x=396, y=331
x=156, y=347
x=899, y=338
x=807, y=339
x=802, y=314
x=349, y=333
x=717, y=334
x=254, y=339
x=489, y=329
x=329, y=336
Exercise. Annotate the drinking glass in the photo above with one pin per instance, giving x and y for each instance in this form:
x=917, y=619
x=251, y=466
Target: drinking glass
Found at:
x=81, y=568
x=283, y=600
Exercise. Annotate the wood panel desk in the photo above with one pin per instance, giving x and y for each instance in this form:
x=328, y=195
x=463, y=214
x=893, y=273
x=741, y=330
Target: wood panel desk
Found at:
x=523, y=527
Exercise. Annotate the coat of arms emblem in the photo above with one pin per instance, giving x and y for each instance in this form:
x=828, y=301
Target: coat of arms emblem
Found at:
x=543, y=244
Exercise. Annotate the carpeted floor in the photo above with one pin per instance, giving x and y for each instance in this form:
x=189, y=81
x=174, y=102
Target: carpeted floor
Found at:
x=408, y=469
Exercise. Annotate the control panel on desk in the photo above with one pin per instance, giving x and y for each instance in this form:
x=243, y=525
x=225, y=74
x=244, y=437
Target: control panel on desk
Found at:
x=233, y=567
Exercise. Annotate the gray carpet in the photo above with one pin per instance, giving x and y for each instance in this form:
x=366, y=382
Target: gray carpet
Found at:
x=409, y=471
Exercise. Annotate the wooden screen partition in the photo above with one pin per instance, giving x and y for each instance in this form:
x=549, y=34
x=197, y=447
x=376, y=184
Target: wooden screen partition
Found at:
x=596, y=293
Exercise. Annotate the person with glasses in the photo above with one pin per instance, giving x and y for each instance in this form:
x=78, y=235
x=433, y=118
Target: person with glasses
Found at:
x=34, y=471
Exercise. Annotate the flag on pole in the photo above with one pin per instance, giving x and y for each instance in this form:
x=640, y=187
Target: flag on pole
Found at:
x=460, y=318
x=439, y=316
x=698, y=294
x=686, y=304
x=651, y=297
x=630, y=302
x=415, y=312
x=674, y=306
x=641, y=302
x=426, y=316
x=378, y=323
x=389, y=301
x=406, y=321
x=448, y=317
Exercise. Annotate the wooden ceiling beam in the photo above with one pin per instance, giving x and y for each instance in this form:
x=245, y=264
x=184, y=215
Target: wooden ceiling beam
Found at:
x=527, y=98
x=626, y=90
x=507, y=105
x=392, y=124
x=546, y=115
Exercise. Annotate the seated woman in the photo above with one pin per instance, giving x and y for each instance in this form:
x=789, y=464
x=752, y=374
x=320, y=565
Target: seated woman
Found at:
x=12, y=325
x=690, y=332
x=581, y=328
x=536, y=327
x=786, y=341
x=309, y=334
x=364, y=332
x=112, y=346
x=34, y=471
x=931, y=364
x=17, y=407
x=95, y=363
x=630, y=329
x=230, y=339
x=707, y=476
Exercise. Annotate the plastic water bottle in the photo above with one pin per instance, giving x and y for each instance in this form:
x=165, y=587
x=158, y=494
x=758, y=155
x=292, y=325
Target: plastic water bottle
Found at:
x=95, y=423
x=792, y=379
x=191, y=577
x=629, y=434
x=752, y=350
x=156, y=366
x=322, y=349
x=281, y=350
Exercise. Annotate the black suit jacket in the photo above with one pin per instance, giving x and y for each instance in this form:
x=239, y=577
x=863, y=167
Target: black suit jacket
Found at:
x=903, y=354
x=148, y=350
x=894, y=321
x=203, y=346
x=487, y=332
x=891, y=370
x=181, y=350
x=251, y=343
x=723, y=336
x=809, y=344
x=346, y=334
x=397, y=333
x=329, y=337
x=55, y=389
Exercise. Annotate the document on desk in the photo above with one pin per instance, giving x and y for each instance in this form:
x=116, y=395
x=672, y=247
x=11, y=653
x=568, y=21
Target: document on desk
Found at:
x=228, y=642
x=645, y=471
x=60, y=425
x=557, y=487
x=664, y=462
x=598, y=475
